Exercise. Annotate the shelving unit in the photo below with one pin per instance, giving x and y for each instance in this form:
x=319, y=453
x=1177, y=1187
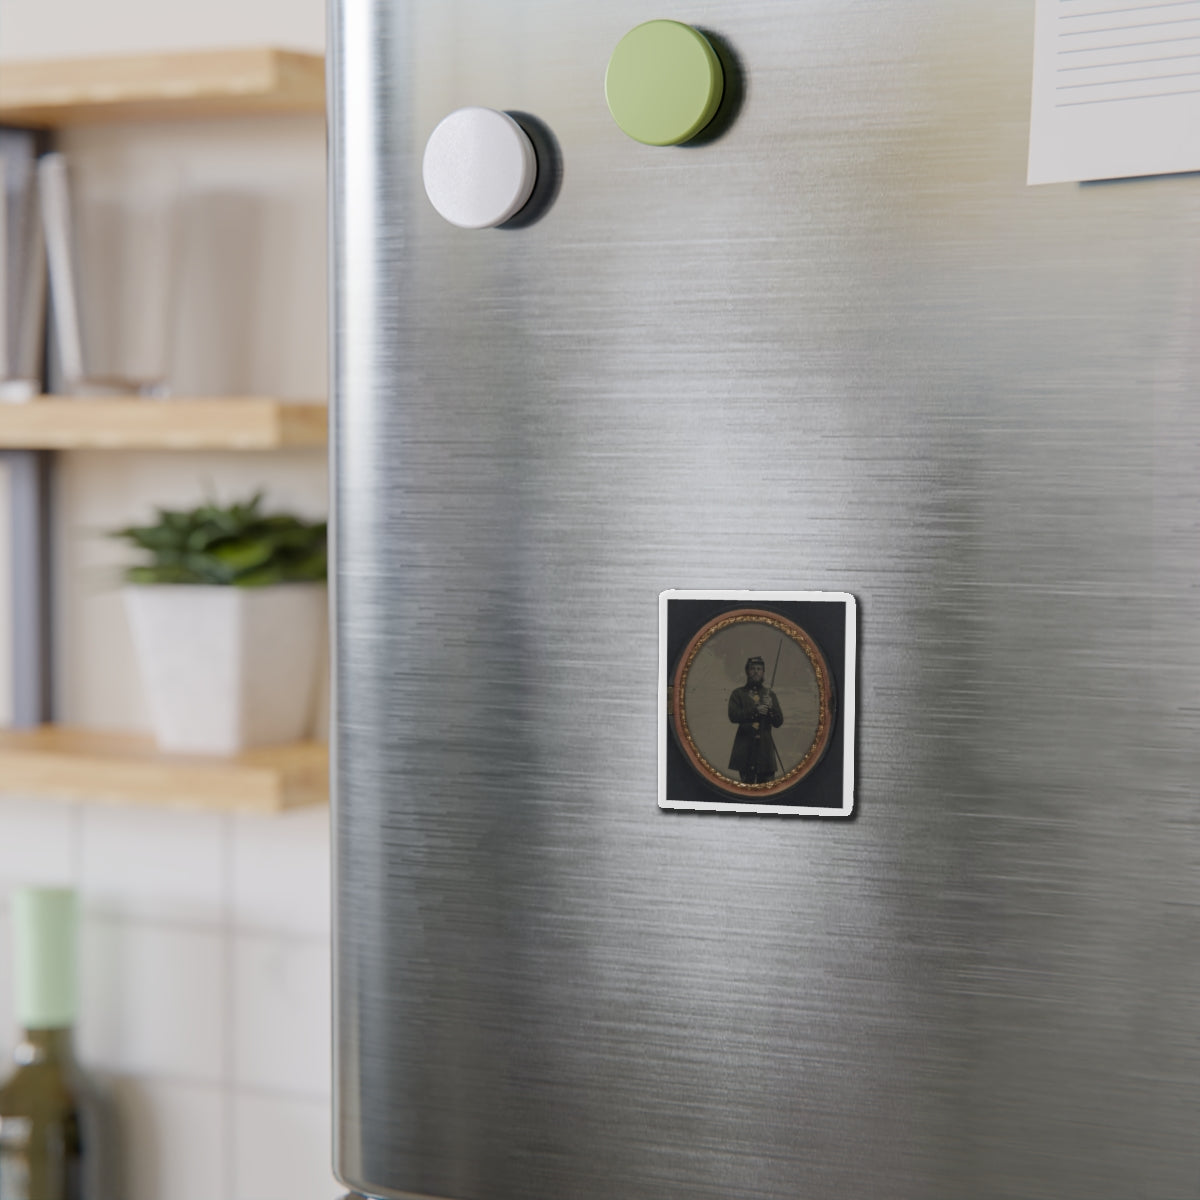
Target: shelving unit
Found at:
x=219, y=83
x=48, y=760
x=227, y=423
x=81, y=764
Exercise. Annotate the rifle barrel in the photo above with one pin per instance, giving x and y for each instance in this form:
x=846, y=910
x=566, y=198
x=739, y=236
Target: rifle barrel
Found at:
x=775, y=668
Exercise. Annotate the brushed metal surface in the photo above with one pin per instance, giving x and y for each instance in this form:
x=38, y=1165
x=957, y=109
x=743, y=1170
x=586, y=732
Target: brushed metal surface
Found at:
x=841, y=347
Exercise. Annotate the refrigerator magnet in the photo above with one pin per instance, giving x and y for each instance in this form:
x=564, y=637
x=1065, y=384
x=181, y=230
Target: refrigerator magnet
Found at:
x=756, y=710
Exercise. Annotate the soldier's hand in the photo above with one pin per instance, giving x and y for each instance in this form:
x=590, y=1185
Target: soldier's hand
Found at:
x=763, y=710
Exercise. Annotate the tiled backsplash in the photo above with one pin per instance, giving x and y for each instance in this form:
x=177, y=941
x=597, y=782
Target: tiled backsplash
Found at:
x=205, y=988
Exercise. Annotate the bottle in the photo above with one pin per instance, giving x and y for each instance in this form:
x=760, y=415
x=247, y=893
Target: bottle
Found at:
x=42, y=1140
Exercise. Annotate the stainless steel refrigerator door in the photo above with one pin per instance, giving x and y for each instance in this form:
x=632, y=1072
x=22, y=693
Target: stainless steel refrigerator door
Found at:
x=841, y=347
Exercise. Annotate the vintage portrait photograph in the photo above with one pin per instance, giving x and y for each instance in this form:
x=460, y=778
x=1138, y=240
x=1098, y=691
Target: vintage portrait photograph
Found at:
x=752, y=699
x=747, y=671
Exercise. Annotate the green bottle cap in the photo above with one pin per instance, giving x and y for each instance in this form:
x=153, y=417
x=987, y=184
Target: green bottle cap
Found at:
x=44, y=923
x=664, y=83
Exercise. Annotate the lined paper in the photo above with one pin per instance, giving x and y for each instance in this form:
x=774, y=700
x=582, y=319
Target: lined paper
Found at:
x=1116, y=89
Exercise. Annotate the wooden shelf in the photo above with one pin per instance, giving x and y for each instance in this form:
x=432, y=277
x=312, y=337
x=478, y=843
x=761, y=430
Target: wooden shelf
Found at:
x=79, y=764
x=216, y=83
x=229, y=423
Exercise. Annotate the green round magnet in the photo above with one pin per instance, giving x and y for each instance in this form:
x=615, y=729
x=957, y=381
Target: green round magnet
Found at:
x=664, y=83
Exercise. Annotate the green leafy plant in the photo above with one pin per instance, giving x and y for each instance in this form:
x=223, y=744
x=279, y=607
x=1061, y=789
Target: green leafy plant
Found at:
x=238, y=546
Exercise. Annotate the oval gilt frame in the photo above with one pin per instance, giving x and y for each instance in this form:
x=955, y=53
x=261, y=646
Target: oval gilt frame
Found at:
x=751, y=792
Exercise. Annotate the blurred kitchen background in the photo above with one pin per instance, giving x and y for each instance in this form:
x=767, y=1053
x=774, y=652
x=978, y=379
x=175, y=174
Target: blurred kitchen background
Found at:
x=205, y=942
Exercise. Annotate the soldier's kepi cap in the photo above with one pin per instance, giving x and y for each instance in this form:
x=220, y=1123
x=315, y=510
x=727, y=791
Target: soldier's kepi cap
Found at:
x=755, y=662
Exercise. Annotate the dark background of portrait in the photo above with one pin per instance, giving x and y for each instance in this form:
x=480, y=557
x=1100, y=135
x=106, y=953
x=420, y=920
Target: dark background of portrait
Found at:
x=825, y=622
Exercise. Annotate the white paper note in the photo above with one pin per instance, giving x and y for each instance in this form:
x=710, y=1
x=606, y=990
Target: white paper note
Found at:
x=1116, y=89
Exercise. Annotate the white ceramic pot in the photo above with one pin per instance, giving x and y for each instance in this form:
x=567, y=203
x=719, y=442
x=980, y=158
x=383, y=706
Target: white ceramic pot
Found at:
x=227, y=668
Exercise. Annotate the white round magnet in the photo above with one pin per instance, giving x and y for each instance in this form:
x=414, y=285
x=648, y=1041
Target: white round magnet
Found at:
x=479, y=168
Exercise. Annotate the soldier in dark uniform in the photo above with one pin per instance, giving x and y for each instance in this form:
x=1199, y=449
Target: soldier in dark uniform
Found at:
x=755, y=710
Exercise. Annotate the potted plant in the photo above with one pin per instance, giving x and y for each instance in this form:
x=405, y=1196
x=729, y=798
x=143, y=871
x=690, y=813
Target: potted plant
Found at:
x=228, y=622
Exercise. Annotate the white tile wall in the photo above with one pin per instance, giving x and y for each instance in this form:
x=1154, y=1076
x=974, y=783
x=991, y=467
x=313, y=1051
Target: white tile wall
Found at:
x=38, y=843
x=282, y=1150
x=65, y=28
x=282, y=1015
x=154, y=864
x=281, y=873
x=156, y=1000
x=6, y=699
x=171, y=1142
x=205, y=978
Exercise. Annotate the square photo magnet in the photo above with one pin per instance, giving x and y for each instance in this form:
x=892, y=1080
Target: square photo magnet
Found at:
x=756, y=702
